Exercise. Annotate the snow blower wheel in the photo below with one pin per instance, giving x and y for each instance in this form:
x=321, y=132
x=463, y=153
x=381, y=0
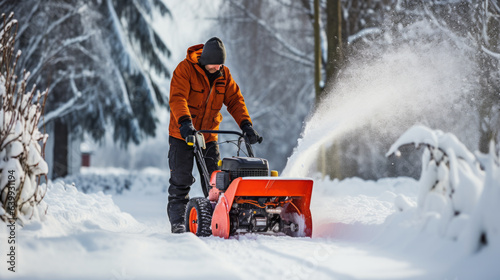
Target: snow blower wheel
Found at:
x=199, y=216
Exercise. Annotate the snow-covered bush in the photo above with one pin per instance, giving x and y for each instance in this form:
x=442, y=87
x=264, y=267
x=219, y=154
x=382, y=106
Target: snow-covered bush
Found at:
x=117, y=181
x=21, y=161
x=459, y=193
x=484, y=227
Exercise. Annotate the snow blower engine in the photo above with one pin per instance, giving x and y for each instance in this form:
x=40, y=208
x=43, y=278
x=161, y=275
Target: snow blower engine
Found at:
x=243, y=197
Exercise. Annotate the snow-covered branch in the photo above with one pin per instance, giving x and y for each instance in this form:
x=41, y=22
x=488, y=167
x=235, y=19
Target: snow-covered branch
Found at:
x=33, y=10
x=293, y=58
x=133, y=64
x=61, y=111
x=363, y=33
x=446, y=30
x=52, y=52
x=496, y=6
x=491, y=53
x=35, y=44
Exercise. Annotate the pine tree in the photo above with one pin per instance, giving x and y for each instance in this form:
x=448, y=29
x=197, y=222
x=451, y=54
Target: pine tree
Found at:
x=101, y=61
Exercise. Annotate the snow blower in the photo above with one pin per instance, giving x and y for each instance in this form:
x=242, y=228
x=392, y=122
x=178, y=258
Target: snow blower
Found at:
x=244, y=198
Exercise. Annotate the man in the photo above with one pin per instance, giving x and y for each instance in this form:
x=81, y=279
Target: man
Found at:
x=200, y=85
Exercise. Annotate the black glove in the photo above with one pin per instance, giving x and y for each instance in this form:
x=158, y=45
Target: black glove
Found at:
x=253, y=136
x=187, y=128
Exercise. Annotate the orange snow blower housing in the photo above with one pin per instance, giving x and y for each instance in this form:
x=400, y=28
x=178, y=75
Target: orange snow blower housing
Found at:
x=243, y=198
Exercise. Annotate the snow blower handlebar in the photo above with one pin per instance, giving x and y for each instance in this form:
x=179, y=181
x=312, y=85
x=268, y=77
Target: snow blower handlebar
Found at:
x=198, y=142
x=191, y=139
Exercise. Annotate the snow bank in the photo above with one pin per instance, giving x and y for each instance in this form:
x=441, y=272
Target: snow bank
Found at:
x=355, y=209
x=70, y=211
x=457, y=200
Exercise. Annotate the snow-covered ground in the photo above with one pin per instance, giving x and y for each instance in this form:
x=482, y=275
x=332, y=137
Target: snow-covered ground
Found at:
x=359, y=233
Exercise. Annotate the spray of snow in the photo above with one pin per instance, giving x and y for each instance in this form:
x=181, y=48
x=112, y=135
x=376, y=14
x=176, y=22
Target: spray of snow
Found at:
x=300, y=221
x=423, y=81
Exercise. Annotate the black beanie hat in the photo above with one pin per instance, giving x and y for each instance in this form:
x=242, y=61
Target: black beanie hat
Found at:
x=213, y=52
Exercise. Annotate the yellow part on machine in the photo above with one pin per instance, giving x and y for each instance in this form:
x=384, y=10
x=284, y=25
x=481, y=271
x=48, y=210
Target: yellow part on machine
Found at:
x=190, y=140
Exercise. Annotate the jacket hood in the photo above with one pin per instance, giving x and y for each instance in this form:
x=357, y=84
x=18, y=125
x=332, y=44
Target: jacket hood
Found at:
x=194, y=53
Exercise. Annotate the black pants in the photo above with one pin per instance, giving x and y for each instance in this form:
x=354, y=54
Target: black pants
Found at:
x=180, y=160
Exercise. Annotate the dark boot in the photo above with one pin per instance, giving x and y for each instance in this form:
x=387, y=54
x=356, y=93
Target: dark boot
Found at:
x=178, y=228
x=176, y=211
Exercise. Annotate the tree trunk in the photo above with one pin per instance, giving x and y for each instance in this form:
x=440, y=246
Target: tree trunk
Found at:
x=333, y=65
x=334, y=37
x=60, y=168
x=317, y=52
x=489, y=83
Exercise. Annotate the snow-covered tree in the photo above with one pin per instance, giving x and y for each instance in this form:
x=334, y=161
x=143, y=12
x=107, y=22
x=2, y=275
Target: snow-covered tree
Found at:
x=21, y=161
x=102, y=62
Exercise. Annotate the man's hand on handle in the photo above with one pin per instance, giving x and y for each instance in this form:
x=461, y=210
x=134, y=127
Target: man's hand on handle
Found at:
x=252, y=135
x=187, y=128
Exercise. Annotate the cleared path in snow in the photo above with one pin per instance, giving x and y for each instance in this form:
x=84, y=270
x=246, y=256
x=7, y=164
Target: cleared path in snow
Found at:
x=96, y=236
x=344, y=221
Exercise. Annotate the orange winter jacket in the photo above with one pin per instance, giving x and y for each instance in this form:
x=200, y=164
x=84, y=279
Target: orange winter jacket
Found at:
x=191, y=97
